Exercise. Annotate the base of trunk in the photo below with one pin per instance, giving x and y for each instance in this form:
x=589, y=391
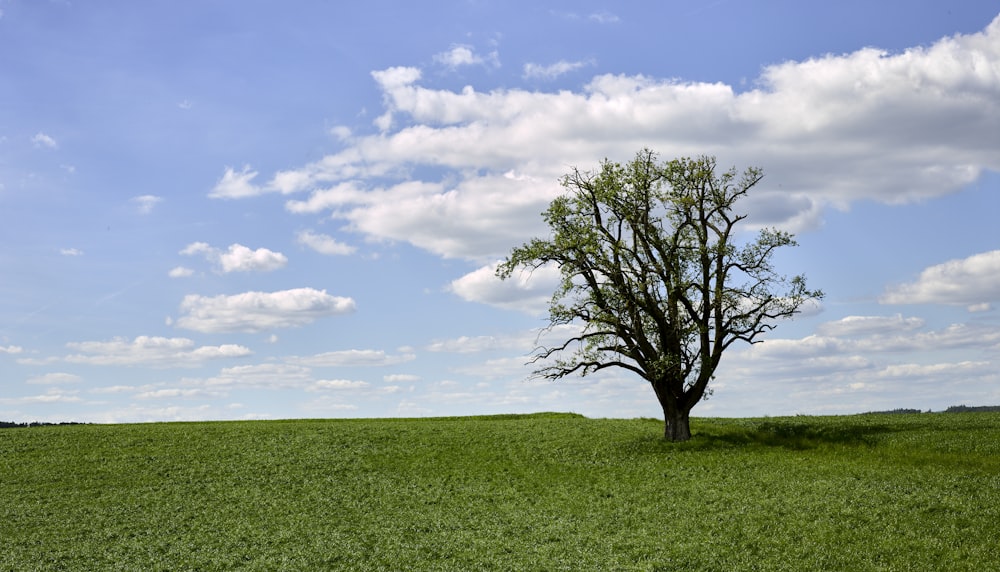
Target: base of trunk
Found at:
x=678, y=427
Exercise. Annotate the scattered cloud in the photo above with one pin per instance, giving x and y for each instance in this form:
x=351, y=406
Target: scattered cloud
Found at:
x=551, y=71
x=400, y=378
x=54, y=395
x=238, y=258
x=151, y=351
x=973, y=282
x=266, y=376
x=70, y=252
x=852, y=326
x=43, y=141
x=176, y=392
x=236, y=184
x=335, y=384
x=522, y=341
x=56, y=377
x=464, y=55
x=11, y=349
x=526, y=291
x=468, y=172
x=180, y=272
x=259, y=311
x=145, y=203
x=348, y=358
x=603, y=17
x=324, y=244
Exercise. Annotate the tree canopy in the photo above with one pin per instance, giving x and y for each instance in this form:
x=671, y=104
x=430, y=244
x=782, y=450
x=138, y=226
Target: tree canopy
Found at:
x=655, y=276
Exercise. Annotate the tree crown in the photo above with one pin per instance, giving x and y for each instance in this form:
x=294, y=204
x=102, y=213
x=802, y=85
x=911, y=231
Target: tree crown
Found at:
x=653, y=273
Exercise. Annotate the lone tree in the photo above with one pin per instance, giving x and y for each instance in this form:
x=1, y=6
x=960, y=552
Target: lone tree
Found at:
x=653, y=273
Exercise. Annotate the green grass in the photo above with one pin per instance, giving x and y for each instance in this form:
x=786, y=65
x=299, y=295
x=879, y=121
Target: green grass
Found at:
x=537, y=492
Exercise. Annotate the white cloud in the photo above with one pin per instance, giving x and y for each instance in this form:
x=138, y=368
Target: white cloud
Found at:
x=525, y=291
x=175, y=392
x=468, y=172
x=325, y=384
x=71, y=252
x=346, y=358
x=238, y=258
x=324, y=244
x=151, y=351
x=259, y=311
x=463, y=55
x=41, y=140
x=522, y=341
x=145, y=203
x=111, y=389
x=54, y=395
x=604, y=17
x=268, y=376
x=180, y=272
x=400, y=378
x=933, y=131
x=236, y=185
x=56, y=377
x=912, y=371
x=865, y=325
x=551, y=71
x=972, y=282
x=11, y=349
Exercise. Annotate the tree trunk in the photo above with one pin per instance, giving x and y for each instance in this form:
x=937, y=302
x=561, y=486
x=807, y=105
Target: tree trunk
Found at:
x=677, y=425
x=676, y=414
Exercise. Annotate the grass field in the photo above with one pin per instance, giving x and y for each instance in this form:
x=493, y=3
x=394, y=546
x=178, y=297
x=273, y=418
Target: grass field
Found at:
x=536, y=492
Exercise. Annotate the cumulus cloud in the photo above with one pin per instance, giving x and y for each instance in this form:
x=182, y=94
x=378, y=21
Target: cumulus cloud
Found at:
x=180, y=272
x=146, y=203
x=464, y=55
x=43, y=141
x=465, y=174
x=345, y=358
x=236, y=184
x=151, y=351
x=973, y=282
x=324, y=244
x=238, y=258
x=11, y=349
x=525, y=291
x=259, y=311
x=812, y=125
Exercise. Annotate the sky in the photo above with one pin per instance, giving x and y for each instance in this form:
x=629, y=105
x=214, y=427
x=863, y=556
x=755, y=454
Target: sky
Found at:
x=252, y=209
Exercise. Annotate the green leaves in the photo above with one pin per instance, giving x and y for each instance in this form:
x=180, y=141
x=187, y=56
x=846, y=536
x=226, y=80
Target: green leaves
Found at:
x=651, y=267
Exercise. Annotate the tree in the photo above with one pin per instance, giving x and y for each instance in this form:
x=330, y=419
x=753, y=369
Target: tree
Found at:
x=655, y=276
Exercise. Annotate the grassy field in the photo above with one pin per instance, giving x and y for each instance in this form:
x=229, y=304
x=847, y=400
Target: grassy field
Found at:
x=537, y=492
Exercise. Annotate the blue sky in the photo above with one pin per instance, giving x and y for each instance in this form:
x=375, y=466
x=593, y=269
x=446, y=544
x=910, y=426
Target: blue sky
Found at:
x=239, y=210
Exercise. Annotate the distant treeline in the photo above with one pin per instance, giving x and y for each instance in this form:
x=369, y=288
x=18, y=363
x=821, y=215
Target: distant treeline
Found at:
x=952, y=409
x=894, y=411
x=968, y=409
x=9, y=424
